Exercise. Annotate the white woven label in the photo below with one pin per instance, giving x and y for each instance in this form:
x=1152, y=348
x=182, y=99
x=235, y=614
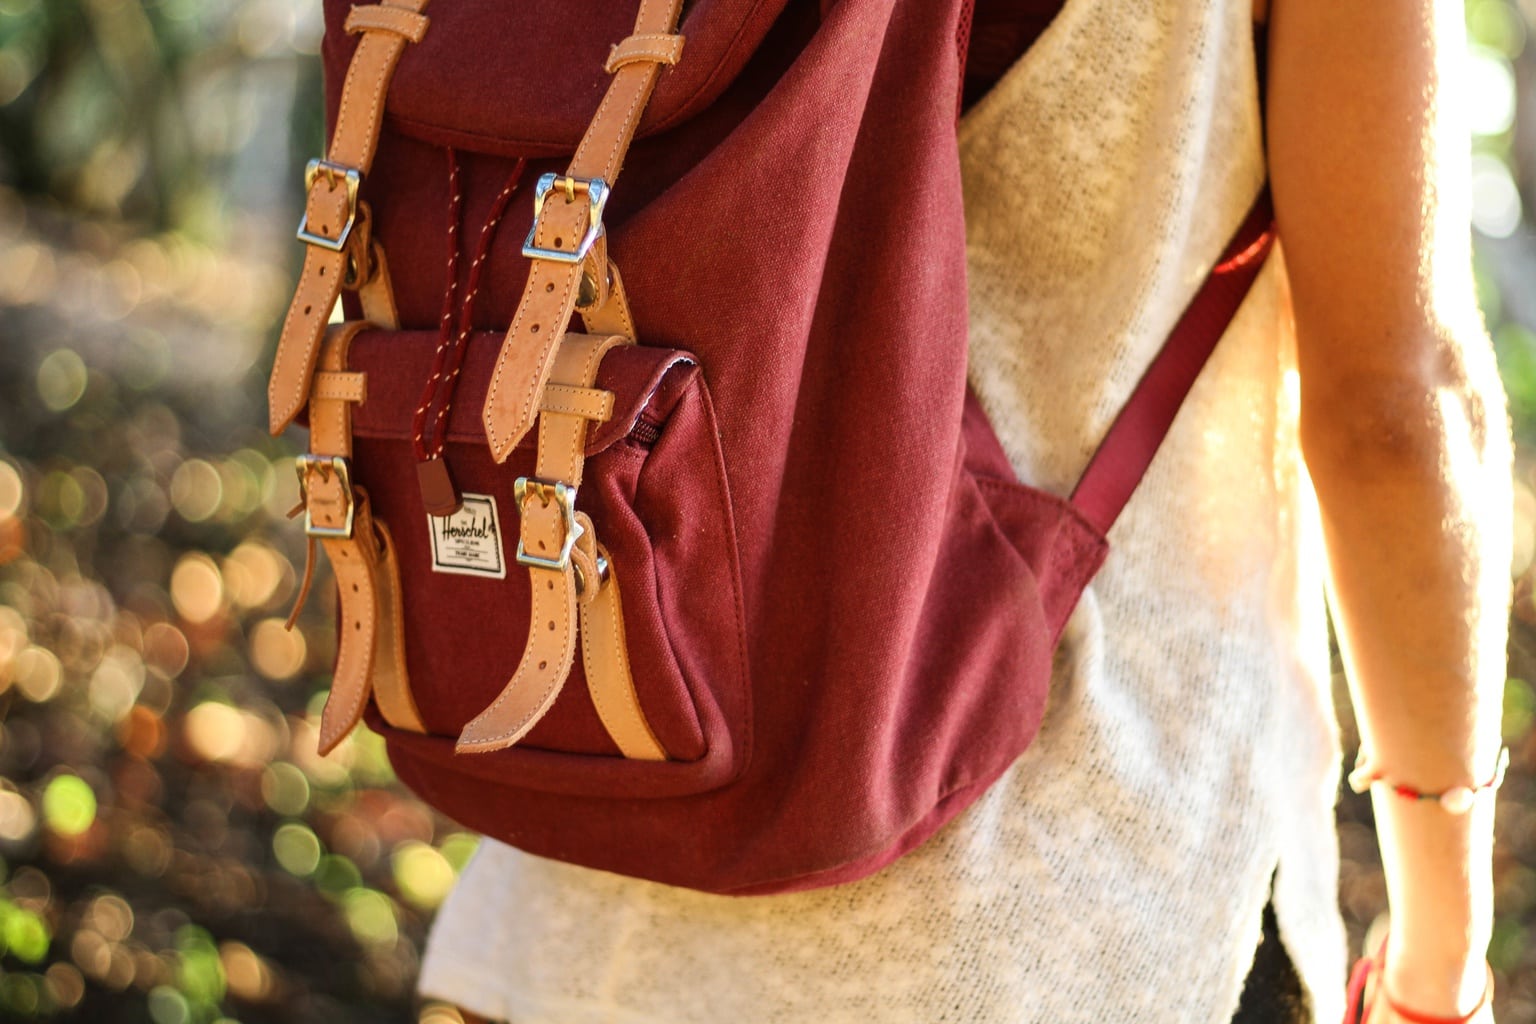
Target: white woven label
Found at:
x=469, y=541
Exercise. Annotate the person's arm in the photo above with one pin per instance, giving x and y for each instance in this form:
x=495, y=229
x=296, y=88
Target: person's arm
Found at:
x=1406, y=438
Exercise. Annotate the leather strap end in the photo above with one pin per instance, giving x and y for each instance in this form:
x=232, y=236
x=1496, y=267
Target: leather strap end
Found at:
x=384, y=18
x=648, y=48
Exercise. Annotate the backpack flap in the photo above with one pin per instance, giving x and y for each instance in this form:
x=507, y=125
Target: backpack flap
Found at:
x=524, y=79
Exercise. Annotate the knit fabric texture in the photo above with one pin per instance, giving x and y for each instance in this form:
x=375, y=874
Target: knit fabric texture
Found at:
x=1119, y=870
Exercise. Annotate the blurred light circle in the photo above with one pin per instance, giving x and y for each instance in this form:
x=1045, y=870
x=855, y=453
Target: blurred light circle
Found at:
x=458, y=848
x=168, y=1006
x=422, y=874
x=285, y=789
x=276, y=652
x=253, y=572
x=1490, y=92
x=215, y=732
x=116, y=683
x=371, y=916
x=197, y=589
x=19, y=993
x=148, y=851
x=245, y=972
x=1496, y=208
x=38, y=674
x=26, y=935
x=165, y=650
x=280, y=489
x=91, y=953
x=91, y=490
x=240, y=488
x=297, y=849
x=63, y=500
x=12, y=491
x=17, y=819
x=69, y=805
x=65, y=985
x=196, y=490
x=146, y=359
x=142, y=733
x=61, y=379
x=111, y=916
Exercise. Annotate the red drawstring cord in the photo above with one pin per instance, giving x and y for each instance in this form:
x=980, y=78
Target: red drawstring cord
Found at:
x=445, y=322
x=429, y=432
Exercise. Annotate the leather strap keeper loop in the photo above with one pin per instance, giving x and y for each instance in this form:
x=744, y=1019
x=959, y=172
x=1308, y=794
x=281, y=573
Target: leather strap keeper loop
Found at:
x=588, y=403
x=341, y=386
x=383, y=18
x=652, y=48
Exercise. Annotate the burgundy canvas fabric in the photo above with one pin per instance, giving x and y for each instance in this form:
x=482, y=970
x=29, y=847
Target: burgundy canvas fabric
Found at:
x=841, y=606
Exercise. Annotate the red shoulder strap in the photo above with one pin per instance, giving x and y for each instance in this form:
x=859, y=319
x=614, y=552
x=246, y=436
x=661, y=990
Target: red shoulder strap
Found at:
x=1127, y=450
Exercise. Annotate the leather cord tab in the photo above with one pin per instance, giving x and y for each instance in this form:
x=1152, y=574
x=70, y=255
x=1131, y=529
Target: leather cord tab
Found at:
x=549, y=297
x=384, y=18
x=657, y=48
x=331, y=205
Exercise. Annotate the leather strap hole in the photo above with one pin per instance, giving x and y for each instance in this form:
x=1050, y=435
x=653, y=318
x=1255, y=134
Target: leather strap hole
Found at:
x=354, y=588
x=549, y=287
x=534, y=329
x=551, y=584
x=551, y=625
x=322, y=271
x=559, y=241
x=358, y=625
x=543, y=665
x=307, y=310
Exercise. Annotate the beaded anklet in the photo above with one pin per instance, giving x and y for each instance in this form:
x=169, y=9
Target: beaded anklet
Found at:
x=1357, y=1010
x=1456, y=800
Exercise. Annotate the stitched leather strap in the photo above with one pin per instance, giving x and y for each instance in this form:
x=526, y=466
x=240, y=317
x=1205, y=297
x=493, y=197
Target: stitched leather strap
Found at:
x=548, y=520
x=331, y=205
x=1133, y=439
x=549, y=297
x=370, y=654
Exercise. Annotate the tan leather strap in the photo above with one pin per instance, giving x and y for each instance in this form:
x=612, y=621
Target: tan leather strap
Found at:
x=331, y=204
x=370, y=652
x=606, y=660
x=569, y=213
x=552, y=531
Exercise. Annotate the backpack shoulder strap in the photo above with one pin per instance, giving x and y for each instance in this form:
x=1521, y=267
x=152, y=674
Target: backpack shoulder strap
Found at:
x=1138, y=431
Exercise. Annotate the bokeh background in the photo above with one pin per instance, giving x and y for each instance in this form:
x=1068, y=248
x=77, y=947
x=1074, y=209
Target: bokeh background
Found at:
x=171, y=849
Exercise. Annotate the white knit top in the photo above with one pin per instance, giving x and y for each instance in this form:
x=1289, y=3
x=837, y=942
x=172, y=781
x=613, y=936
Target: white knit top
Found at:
x=1118, y=871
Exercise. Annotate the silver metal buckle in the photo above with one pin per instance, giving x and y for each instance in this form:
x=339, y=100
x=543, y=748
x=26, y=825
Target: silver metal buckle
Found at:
x=333, y=172
x=597, y=196
x=561, y=494
x=325, y=465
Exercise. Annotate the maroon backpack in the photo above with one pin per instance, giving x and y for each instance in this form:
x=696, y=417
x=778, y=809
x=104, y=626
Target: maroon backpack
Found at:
x=713, y=573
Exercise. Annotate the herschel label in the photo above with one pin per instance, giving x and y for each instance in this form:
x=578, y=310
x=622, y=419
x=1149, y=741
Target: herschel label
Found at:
x=469, y=541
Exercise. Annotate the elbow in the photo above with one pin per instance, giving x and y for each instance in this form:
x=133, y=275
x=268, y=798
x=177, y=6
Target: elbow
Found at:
x=1395, y=427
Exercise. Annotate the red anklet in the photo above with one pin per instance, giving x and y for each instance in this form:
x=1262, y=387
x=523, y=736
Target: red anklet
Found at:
x=1358, y=1011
